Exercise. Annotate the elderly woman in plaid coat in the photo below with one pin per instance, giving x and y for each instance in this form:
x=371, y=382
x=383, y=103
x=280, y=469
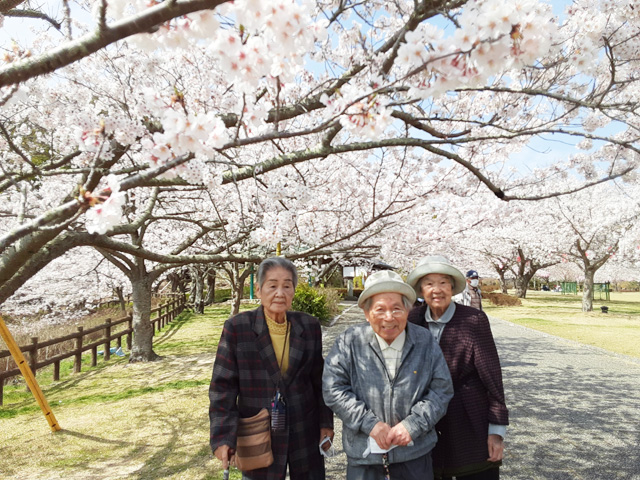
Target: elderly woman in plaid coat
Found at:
x=470, y=436
x=267, y=351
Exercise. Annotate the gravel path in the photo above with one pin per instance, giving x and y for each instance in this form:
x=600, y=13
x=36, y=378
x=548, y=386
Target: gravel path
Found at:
x=574, y=410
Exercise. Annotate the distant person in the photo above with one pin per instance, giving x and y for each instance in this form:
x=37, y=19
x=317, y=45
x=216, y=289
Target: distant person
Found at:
x=389, y=384
x=267, y=354
x=470, y=436
x=471, y=296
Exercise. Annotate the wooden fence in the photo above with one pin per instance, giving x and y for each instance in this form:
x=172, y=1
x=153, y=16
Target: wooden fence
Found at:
x=110, y=332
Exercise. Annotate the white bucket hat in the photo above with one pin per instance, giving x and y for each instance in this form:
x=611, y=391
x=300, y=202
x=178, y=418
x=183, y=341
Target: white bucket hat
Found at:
x=385, y=281
x=437, y=264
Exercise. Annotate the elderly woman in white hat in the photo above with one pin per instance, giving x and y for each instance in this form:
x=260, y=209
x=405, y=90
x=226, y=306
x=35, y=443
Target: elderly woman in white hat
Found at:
x=470, y=436
x=389, y=384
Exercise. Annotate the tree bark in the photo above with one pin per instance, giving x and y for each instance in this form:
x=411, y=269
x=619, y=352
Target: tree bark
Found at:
x=211, y=287
x=119, y=291
x=503, y=282
x=522, y=284
x=237, y=279
x=587, y=292
x=142, y=347
x=197, y=288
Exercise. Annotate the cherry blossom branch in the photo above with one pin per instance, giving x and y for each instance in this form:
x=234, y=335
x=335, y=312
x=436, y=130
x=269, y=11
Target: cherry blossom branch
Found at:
x=33, y=14
x=73, y=51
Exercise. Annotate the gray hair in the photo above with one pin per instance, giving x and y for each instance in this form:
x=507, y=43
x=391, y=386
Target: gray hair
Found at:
x=276, y=262
x=366, y=306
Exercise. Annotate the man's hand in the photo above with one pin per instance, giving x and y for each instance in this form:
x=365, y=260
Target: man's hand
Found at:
x=496, y=448
x=226, y=455
x=399, y=435
x=380, y=434
x=326, y=432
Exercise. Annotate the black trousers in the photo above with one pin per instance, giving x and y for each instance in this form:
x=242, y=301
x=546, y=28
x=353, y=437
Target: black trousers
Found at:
x=491, y=474
x=417, y=469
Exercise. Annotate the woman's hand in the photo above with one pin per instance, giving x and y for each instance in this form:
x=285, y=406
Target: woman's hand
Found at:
x=226, y=455
x=496, y=448
x=326, y=432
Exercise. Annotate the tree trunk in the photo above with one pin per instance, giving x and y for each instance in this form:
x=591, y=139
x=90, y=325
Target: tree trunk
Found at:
x=587, y=294
x=503, y=281
x=197, y=289
x=237, y=293
x=237, y=289
x=211, y=288
x=522, y=284
x=119, y=291
x=142, y=347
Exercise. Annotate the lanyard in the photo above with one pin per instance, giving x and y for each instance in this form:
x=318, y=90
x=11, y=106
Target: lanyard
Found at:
x=284, y=346
x=385, y=466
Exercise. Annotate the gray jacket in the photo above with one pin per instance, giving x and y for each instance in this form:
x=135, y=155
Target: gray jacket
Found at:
x=356, y=386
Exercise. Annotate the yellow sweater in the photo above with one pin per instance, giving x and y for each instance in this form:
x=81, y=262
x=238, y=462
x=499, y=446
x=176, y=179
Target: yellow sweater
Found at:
x=278, y=334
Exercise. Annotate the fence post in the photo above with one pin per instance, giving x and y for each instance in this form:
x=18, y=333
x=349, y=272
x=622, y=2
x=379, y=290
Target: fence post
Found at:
x=107, y=342
x=162, y=319
x=77, y=363
x=56, y=371
x=1, y=390
x=94, y=356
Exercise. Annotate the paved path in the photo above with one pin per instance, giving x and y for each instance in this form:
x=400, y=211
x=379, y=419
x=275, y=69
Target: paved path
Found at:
x=574, y=410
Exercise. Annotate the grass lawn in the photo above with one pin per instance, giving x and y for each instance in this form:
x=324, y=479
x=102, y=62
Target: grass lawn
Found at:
x=149, y=421
x=121, y=420
x=561, y=315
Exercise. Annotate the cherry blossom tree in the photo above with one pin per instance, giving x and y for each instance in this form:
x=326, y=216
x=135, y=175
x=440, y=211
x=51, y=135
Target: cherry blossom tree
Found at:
x=278, y=109
x=69, y=287
x=599, y=224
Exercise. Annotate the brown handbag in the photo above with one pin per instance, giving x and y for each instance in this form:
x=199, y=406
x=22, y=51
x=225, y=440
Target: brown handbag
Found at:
x=253, y=443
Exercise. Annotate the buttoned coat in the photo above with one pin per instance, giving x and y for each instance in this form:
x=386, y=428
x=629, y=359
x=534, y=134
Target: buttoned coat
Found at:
x=245, y=377
x=358, y=388
x=478, y=399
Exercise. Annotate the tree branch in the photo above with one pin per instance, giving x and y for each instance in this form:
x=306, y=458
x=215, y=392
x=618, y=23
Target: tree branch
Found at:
x=73, y=51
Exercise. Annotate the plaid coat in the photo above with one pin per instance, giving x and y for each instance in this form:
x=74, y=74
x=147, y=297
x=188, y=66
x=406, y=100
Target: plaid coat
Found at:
x=478, y=398
x=245, y=377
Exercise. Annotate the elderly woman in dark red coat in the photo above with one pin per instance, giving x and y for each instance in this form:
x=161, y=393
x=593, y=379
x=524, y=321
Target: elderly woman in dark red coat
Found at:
x=470, y=436
x=262, y=352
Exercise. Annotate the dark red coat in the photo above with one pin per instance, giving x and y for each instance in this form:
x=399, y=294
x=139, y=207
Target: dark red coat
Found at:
x=245, y=375
x=478, y=398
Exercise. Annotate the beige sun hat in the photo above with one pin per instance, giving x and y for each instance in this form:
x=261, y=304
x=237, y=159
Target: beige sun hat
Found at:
x=385, y=281
x=436, y=264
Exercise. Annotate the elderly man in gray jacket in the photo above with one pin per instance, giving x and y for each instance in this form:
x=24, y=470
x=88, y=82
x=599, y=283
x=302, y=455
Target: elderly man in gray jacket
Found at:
x=389, y=384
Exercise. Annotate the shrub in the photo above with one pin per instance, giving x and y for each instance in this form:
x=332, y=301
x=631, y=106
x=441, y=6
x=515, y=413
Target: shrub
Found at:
x=333, y=299
x=501, y=299
x=320, y=303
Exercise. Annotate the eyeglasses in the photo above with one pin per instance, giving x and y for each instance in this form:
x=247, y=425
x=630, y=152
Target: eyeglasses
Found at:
x=396, y=314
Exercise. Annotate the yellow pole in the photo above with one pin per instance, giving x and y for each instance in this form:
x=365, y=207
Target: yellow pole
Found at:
x=17, y=355
x=278, y=249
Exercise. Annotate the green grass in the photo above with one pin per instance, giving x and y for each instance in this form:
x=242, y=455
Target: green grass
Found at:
x=561, y=315
x=149, y=421
x=121, y=420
